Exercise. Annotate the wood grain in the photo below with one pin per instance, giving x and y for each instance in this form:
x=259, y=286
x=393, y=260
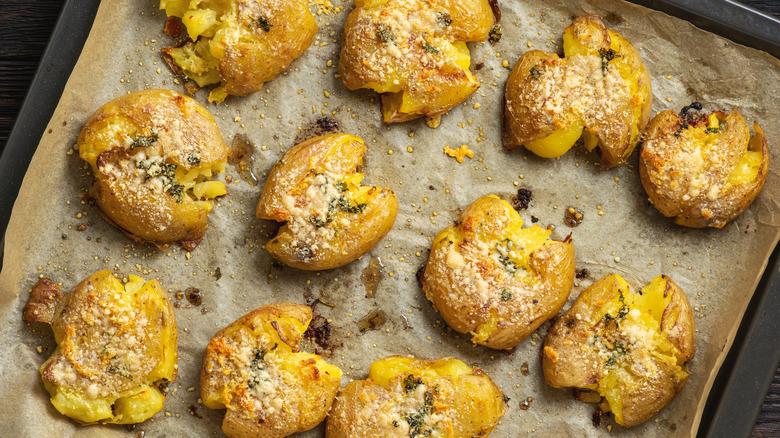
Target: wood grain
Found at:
x=25, y=28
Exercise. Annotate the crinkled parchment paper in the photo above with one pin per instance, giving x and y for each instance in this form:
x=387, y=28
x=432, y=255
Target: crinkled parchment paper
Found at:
x=621, y=231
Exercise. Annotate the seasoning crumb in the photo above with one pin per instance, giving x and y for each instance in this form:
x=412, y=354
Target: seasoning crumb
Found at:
x=459, y=153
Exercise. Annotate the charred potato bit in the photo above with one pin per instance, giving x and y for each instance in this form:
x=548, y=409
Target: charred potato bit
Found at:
x=239, y=44
x=330, y=219
x=413, y=52
x=599, y=91
x=255, y=369
x=413, y=398
x=153, y=153
x=703, y=170
x=116, y=347
x=626, y=350
x=492, y=278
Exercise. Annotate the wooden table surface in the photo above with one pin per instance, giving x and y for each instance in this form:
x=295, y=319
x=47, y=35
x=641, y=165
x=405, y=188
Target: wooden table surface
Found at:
x=25, y=28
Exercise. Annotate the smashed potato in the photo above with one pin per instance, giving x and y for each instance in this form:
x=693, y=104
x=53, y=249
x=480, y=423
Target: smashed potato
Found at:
x=116, y=347
x=492, y=278
x=702, y=170
x=624, y=349
x=255, y=369
x=330, y=219
x=599, y=91
x=239, y=44
x=153, y=153
x=407, y=397
x=414, y=53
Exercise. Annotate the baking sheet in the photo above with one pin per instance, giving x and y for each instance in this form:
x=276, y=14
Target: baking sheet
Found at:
x=630, y=237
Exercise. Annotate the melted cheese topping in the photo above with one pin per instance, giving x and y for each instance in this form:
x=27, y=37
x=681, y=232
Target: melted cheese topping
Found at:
x=106, y=348
x=577, y=90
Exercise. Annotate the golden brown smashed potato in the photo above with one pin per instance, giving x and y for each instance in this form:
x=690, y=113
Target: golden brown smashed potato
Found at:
x=153, y=153
x=414, y=53
x=624, y=349
x=116, y=347
x=702, y=170
x=407, y=397
x=255, y=369
x=330, y=219
x=239, y=44
x=599, y=91
x=492, y=278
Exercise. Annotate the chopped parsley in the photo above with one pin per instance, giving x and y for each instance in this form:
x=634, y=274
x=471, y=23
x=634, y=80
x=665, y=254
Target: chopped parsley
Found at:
x=411, y=383
x=715, y=130
x=342, y=186
x=317, y=222
x=618, y=352
x=166, y=173
x=346, y=206
x=384, y=33
x=263, y=23
x=416, y=419
x=142, y=141
x=194, y=158
x=120, y=370
x=506, y=295
x=503, y=248
x=606, y=56
x=495, y=34
x=430, y=49
x=258, y=363
x=536, y=73
x=443, y=19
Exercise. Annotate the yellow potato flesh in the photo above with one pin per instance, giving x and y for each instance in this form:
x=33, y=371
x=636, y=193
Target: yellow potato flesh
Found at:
x=384, y=370
x=557, y=143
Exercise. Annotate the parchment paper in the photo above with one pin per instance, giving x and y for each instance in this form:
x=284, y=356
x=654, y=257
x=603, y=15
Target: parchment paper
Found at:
x=621, y=231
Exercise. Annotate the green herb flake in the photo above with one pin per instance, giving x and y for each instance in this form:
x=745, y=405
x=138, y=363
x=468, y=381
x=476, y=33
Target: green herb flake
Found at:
x=495, y=34
x=384, y=33
x=503, y=248
x=606, y=56
x=416, y=420
x=411, y=383
x=536, y=73
x=506, y=295
x=317, y=222
x=166, y=172
x=443, y=19
x=194, y=158
x=119, y=370
x=715, y=130
x=618, y=352
x=341, y=186
x=263, y=23
x=346, y=206
x=142, y=141
x=430, y=49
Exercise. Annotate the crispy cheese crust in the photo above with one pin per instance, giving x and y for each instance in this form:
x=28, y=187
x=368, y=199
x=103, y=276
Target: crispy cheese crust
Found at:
x=254, y=368
x=624, y=349
x=414, y=53
x=703, y=170
x=599, y=91
x=492, y=278
x=330, y=218
x=116, y=347
x=153, y=153
x=407, y=397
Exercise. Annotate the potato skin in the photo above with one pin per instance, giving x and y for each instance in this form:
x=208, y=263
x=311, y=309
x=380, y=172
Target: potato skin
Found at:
x=153, y=126
x=414, y=53
x=550, y=96
x=116, y=346
x=636, y=379
x=401, y=389
x=331, y=219
x=254, y=368
x=471, y=287
x=245, y=53
x=687, y=172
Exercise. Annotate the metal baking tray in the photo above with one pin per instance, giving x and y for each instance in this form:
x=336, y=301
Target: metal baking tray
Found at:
x=744, y=378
